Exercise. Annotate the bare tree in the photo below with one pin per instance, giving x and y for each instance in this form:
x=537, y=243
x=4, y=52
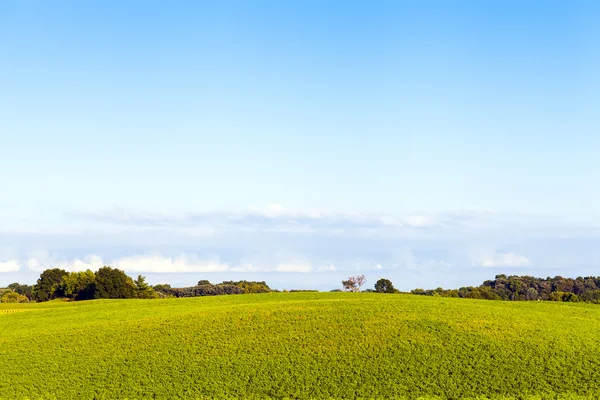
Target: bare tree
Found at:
x=354, y=283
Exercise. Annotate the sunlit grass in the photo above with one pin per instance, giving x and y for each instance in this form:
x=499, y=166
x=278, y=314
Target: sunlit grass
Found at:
x=300, y=345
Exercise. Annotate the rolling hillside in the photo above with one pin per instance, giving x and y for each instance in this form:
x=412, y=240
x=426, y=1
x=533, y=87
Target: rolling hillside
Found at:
x=300, y=345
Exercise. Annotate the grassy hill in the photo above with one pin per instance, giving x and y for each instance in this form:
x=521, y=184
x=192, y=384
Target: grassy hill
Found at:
x=300, y=345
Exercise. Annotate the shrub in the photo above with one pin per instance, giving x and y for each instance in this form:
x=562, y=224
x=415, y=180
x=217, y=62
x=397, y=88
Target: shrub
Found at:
x=250, y=286
x=25, y=290
x=13, y=297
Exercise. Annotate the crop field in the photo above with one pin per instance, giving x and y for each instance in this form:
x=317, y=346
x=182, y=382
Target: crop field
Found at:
x=300, y=345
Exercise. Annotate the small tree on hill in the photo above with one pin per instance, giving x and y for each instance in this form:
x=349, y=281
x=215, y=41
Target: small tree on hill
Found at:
x=142, y=289
x=384, y=286
x=354, y=283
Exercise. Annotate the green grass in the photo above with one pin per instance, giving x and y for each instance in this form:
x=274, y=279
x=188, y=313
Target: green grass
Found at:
x=300, y=345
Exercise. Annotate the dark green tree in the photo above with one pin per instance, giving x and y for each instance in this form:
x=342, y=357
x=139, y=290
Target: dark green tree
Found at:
x=384, y=286
x=112, y=283
x=49, y=286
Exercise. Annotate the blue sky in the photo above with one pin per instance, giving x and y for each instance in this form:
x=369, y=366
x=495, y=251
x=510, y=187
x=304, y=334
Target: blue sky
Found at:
x=432, y=142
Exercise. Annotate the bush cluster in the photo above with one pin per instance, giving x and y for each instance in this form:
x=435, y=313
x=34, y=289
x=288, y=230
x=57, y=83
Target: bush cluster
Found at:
x=205, y=288
x=10, y=296
x=16, y=293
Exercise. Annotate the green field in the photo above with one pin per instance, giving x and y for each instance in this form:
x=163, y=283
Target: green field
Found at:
x=300, y=345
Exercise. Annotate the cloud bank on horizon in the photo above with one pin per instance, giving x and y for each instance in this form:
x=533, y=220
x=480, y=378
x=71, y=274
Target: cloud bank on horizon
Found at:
x=310, y=248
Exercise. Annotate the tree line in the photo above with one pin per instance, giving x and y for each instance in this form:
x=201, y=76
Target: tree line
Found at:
x=502, y=287
x=112, y=283
x=519, y=288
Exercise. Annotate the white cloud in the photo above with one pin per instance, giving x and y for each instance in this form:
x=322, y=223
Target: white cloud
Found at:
x=10, y=266
x=190, y=263
x=272, y=218
x=418, y=221
x=152, y=263
x=245, y=268
x=42, y=263
x=294, y=267
x=158, y=264
x=502, y=260
x=274, y=211
x=33, y=264
x=92, y=262
x=283, y=244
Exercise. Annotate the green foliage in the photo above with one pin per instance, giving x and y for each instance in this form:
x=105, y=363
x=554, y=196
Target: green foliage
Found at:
x=300, y=346
x=109, y=283
x=591, y=296
x=208, y=289
x=79, y=285
x=250, y=286
x=25, y=290
x=384, y=286
x=527, y=288
x=49, y=285
x=572, y=297
x=163, y=291
x=163, y=287
x=9, y=296
x=564, y=296
x=112, y=283
x=142, y=289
